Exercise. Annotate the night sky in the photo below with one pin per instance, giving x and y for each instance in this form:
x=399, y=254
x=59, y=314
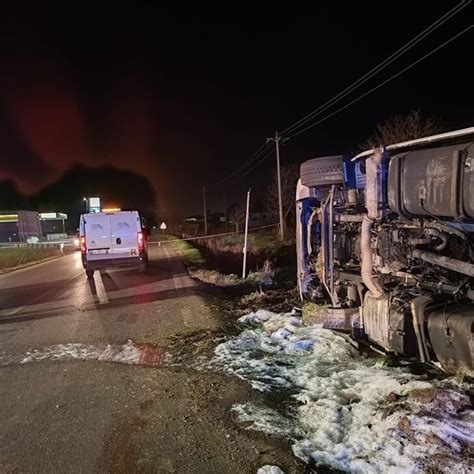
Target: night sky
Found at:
x=183, y=94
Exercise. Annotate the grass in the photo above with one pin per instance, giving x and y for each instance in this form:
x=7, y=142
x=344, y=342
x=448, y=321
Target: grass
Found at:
x=254, y=298
x=13, y=257
x=312, y=313
x=190, y=254
x=213, y=277
x=197, y=267
x=259, y=243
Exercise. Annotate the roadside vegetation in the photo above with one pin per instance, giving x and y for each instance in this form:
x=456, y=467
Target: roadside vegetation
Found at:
x=265, y=254
x=219, y=261
x=270, y=282
x=190, y=254
x=11, y=258
x=259, y=243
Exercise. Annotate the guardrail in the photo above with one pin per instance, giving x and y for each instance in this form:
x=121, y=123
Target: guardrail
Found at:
x=39, y=245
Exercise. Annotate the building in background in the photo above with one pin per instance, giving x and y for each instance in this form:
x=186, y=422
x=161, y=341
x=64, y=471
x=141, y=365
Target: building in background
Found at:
x=53, y=224
x=29, y=225
x=193, y=225
x=20, y=226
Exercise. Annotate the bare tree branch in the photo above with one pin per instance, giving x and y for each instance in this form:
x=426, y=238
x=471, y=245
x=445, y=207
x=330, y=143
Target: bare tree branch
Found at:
x=401, y=128
x=289, y=178
x=236, y=215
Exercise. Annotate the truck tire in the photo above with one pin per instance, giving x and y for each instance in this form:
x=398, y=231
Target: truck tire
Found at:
x=143, y=267
x=90, y=273
x=324, y=171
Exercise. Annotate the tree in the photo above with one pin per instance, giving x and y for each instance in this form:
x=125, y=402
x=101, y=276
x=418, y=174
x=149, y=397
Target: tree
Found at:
x=289, y=178
x=236, y=215
x=400, y=128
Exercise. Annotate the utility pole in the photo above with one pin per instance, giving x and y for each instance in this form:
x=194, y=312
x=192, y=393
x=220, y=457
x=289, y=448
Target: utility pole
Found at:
x=244, y=264
x=277, y=139
x=205, y=210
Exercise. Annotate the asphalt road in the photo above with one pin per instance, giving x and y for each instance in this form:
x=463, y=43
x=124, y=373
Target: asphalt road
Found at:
x=68, y=404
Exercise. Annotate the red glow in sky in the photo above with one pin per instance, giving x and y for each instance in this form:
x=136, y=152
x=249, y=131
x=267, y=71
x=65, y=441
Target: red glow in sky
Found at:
x=58, y=128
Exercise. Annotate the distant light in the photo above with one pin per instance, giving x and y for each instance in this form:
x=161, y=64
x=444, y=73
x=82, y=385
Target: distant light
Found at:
x=9, y=217
x=48, y=215
x=53, y=215
x=94, y=202
x=111, y=209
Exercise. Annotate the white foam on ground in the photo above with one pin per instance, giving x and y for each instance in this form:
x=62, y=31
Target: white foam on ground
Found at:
x=129, y=353
x=346, y=418
x=270, y=470
x=266, y=419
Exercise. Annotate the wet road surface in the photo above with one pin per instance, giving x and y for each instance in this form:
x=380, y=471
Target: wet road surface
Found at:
x=83, y=382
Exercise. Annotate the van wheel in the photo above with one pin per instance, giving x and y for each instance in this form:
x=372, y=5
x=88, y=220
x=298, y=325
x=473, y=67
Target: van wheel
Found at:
x=90, y=273
x=142, y=267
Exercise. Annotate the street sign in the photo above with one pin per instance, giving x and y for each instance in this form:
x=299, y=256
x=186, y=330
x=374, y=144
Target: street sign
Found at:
x=94, y=204
x=163, y=226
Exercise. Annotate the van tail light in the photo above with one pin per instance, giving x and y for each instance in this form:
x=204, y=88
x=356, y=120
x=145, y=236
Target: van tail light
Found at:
x=141, y=242
x=82, y=240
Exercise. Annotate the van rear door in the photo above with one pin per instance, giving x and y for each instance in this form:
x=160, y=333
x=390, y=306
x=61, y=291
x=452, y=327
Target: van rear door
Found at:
x=125, y=226
x=98, y=236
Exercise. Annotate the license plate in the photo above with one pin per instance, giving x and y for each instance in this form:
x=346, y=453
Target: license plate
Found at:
x=99, y=251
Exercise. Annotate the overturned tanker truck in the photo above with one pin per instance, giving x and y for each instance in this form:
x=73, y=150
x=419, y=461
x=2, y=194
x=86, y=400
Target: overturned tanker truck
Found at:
x=385, y=241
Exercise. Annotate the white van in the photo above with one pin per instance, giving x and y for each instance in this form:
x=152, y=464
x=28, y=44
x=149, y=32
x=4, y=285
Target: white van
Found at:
x=112, y=239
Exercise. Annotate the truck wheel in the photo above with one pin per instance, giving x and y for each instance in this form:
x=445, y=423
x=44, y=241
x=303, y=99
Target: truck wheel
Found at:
x=90, y=273
x=322, y=171
x=142, y=267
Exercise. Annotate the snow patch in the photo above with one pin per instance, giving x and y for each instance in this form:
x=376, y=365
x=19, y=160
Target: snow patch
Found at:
x=256, y=317
x=265, y=419
x=129, y=353
x=354, y=414
x=270, y=470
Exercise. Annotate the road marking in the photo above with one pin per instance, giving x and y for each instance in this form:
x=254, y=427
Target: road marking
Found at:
x=100, y=288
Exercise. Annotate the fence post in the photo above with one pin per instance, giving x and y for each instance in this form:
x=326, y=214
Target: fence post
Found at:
x=244, y=264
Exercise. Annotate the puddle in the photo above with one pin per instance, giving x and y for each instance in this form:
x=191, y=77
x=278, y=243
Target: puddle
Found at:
x=130, y=353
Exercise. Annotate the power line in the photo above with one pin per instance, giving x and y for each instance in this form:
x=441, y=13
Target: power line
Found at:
x=381, y=66
x=384, y=82
x=356, y=84
x=246, y=163
x=258, y=163
x=244, y=169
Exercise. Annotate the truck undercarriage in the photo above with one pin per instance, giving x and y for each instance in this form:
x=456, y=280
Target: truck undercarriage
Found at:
x=386, y=240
